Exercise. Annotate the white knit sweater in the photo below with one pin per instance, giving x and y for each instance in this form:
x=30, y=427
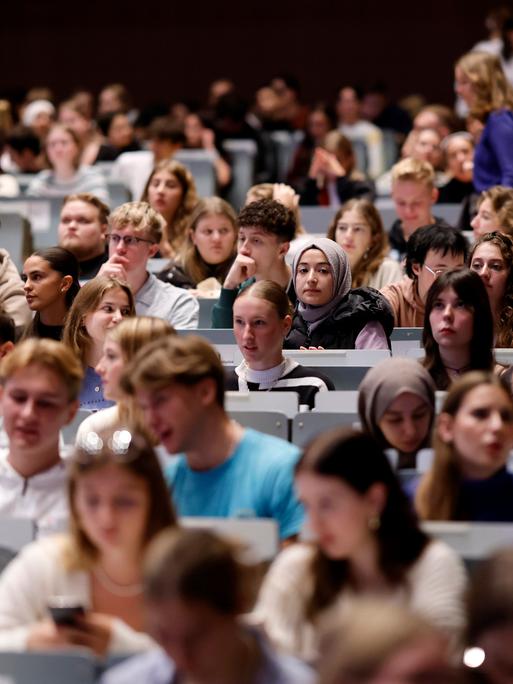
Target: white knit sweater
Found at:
x=29, y=581
x=434, y=590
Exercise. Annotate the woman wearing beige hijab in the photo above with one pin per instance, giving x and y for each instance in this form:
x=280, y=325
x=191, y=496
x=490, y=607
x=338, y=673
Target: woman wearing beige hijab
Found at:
x=397, y=406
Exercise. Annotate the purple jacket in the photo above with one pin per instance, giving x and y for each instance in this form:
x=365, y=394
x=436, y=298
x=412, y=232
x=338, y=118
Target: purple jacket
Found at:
x=493, y=159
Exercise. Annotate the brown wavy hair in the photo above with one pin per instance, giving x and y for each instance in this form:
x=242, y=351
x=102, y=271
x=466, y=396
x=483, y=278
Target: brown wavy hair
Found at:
x=266, y=191
x=489, y=83
x=437, y=494
x=190, y=259
x=501, y=199
x=373, y=257
x=504, y=336
x=177, y=231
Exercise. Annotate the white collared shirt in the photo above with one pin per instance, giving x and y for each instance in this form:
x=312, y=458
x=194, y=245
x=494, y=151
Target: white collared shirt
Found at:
x=42, y=497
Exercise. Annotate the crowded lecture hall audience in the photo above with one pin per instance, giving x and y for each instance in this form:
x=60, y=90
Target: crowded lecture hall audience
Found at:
x=170, y=278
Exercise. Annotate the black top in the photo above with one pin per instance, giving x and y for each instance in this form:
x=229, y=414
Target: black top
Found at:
x=347, y=188
x=340, y=330
x=454, y=192
x=489, y=500
x=108, y=153
x=54, y=332
x=396, y=237
x=394, y=118
x=176, y=274
x=89, y=268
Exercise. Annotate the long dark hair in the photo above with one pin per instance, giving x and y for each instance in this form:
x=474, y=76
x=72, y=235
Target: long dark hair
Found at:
x=64, y=262
x=356, y=459
x=470, y=289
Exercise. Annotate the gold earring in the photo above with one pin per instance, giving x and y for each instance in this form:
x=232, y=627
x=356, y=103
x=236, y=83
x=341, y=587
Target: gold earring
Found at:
x=374, y=523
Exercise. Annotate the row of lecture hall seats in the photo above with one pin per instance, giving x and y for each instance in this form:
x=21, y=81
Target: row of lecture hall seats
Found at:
x=279, y=413
x=473, y=541
x=260, y=536
x=27, y=223
x=201, y=164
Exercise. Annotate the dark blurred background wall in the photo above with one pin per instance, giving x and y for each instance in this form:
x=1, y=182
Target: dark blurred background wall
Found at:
x=171, y=50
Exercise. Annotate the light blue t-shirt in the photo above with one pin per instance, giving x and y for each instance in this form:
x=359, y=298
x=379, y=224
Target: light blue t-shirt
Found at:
x=155, y=667
x=257, y=481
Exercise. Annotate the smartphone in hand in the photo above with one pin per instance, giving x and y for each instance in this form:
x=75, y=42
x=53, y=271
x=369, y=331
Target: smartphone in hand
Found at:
x=65, y=610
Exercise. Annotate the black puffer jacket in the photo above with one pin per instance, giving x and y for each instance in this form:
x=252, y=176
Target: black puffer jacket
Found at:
x=340, y=330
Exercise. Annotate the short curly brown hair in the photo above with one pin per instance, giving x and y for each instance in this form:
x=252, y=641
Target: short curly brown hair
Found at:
x=271, y=216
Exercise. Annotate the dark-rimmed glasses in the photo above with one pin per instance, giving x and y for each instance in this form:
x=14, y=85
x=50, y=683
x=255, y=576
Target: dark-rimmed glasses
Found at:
x=128, y=240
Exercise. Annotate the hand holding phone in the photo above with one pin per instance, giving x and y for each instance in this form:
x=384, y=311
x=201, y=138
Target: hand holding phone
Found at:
x=65, y=610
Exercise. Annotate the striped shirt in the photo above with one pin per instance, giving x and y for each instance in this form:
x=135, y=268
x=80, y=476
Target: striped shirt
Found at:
x=289, y=376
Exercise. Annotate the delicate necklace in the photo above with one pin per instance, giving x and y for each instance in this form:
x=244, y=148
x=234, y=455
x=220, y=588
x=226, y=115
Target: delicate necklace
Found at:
x=458, y=371
x=121, y=590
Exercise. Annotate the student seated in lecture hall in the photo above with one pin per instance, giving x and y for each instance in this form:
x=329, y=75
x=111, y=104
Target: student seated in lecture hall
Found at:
x=262, y=316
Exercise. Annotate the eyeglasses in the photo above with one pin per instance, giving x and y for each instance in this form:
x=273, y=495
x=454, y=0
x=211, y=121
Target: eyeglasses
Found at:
x=437, y=272
x=128, y=240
